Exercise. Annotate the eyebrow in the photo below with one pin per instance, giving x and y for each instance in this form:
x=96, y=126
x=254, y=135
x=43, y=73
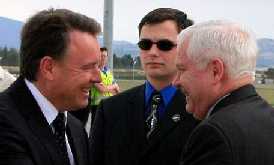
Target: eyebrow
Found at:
x=89, y=64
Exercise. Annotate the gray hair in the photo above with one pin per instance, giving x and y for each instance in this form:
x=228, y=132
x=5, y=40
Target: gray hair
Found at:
x=233, y=43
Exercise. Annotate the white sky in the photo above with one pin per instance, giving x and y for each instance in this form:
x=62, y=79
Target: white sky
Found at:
x=257, y=14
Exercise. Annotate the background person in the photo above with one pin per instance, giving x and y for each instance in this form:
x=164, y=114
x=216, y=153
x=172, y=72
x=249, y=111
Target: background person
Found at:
x=59, y=62
x=216, y=63
x=125, y=131
x=107, y=87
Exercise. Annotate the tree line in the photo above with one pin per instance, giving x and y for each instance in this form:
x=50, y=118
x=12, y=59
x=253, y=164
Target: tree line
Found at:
x=126, y=62
x=270, y=73
x=10, y=57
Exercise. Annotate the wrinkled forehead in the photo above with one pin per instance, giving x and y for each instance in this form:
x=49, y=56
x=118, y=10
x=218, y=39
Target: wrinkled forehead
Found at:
x=163, y=30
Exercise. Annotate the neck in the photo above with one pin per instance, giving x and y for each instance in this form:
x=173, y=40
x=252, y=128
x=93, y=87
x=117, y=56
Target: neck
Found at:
x=234, y=84
x=45, y=89
x=159, y=84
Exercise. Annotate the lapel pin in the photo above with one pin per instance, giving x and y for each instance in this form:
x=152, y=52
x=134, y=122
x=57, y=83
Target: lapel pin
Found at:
x=176, y=118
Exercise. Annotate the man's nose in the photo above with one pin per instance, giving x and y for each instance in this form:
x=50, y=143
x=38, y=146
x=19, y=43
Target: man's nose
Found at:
x=153, y=50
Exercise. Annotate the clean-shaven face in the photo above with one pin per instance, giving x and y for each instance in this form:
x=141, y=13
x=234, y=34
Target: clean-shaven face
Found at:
x=76, y=73
x=194, y=83
x=159, y=64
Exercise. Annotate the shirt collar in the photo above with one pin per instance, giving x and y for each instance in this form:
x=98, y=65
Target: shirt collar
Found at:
x=104, y=69
x=167, y=92
x=47, y=108
x=212, y=107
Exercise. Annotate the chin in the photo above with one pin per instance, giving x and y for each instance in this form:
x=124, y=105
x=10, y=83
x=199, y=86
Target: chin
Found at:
x=196, y=116
x=85, y=103
x=81, y=104
x=199, y=116
x=188, y=108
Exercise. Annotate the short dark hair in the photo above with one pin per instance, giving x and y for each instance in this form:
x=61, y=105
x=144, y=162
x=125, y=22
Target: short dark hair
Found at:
x=163, y=14
x=102, y=49
x=47, y=34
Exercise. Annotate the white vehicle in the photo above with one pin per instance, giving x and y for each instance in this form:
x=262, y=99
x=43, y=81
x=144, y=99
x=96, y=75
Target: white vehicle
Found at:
x=5, y=79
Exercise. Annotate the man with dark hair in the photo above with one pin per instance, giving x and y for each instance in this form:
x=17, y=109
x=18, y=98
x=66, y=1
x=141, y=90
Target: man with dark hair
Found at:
x=147, y=124
x=102, y=49
x=59, y=62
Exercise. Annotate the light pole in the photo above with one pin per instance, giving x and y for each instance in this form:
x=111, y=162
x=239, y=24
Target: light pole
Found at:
x=133, y=63
x=108, y=30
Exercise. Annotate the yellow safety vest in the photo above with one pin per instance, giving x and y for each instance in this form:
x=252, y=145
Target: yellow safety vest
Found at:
x=96, y=96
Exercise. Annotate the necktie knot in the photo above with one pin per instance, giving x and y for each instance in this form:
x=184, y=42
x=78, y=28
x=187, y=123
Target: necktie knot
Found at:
x=156, y=100
x=59, y=123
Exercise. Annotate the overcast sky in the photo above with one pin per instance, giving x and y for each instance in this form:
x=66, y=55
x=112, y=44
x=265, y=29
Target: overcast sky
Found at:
x=257, y=14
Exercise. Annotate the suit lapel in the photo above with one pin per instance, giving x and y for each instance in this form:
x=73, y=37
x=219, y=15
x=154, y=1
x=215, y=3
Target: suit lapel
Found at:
x=174, y=116
x=75, y=142
x=29, y=108
x=135, y=117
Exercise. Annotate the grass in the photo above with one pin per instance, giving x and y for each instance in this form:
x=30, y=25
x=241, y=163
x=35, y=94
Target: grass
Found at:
x=266, y=91
x=126, y=84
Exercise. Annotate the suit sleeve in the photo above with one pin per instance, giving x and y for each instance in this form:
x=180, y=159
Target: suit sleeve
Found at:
x=207, y=146
x=97, y=138
x=12, y=145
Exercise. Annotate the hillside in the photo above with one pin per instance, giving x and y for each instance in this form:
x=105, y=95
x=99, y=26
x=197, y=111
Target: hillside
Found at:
x=266, y=58
x=10, y=35
x=10, y=32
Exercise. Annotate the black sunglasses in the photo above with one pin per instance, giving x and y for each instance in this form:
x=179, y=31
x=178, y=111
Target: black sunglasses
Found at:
x=164, y=44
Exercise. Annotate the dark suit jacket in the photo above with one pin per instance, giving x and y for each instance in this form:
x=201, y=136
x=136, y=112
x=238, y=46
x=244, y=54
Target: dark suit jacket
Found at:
x=25, y=136
x=239, y=131
x=118, y=135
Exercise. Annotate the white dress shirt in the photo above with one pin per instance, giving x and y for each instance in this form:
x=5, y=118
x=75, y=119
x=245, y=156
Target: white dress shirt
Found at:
x=50, y=113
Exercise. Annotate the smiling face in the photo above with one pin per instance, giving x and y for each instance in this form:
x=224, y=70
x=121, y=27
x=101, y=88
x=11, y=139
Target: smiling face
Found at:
x=76, y=72
x=195, y=83
x=159, y=64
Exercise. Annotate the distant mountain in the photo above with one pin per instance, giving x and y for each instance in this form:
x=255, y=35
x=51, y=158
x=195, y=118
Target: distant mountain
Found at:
x=10, y=32
x=121, y=48
x=266, y=51
x=10, y=37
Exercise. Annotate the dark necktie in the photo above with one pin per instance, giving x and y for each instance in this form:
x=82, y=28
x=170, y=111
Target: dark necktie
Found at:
x=60, y=129
x=152, y=119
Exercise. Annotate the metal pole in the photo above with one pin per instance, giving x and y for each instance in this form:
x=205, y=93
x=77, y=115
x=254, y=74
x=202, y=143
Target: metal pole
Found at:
x=108, y=30
x=133, y=63
x=133, y=70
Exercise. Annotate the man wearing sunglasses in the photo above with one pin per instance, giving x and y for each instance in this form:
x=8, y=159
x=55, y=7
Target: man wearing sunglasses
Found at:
x=147, y=124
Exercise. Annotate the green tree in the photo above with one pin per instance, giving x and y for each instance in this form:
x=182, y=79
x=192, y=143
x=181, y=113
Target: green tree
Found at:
x=9, y=57
x=13, y=57
x=116, y=61
x=4, y=56
x=126, y=61
x=137, y=64
x=270, y=73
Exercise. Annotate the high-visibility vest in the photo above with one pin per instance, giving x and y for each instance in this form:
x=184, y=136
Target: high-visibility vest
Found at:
x=96, y=96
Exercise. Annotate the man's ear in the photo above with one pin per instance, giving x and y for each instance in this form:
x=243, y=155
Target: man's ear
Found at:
x=47, y=67
x=217, y=70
